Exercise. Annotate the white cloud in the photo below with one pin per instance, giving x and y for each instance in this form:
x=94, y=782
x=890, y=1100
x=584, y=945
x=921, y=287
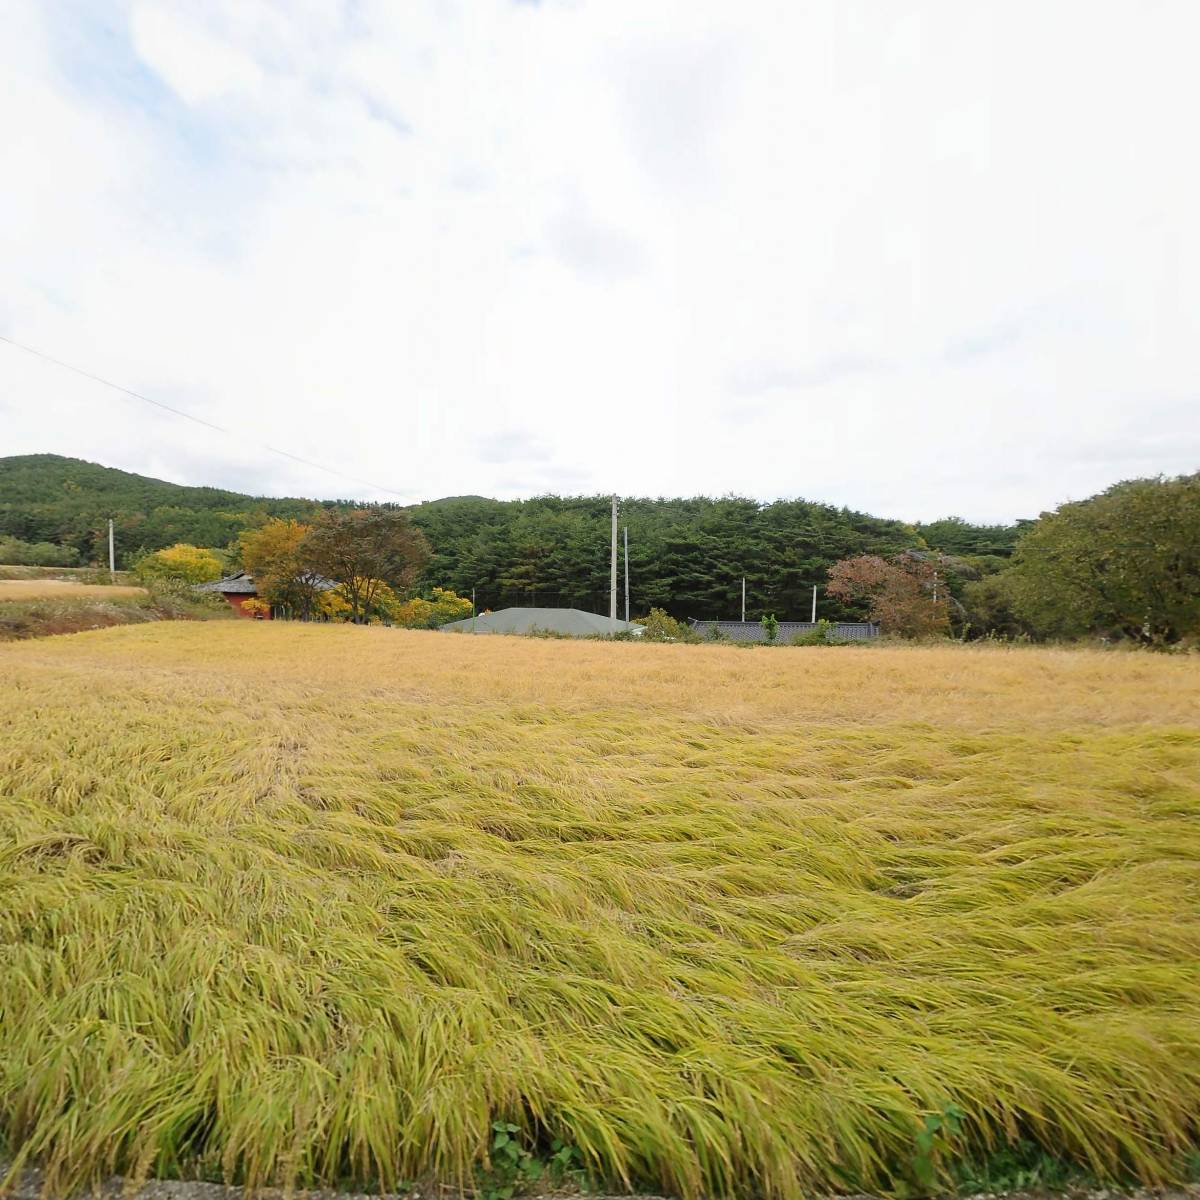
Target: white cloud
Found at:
x=919, y=257
x=197, y=65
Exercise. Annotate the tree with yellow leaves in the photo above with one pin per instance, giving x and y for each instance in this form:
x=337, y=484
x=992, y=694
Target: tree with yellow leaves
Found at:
x=181, y=563
x=440, y=609
x=273, y=555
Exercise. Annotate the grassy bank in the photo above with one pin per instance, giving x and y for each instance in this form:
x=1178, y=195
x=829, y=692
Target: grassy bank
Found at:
x=87, y=575
x=45, y=607
x=325, y=903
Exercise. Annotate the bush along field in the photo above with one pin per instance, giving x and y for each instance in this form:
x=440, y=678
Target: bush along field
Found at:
x=297, y=904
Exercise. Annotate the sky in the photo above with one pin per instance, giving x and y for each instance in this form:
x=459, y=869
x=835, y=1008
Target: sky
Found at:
x=919, y=258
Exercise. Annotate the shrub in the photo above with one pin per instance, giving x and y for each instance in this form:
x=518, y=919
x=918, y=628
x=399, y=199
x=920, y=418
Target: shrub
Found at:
x=659, y=626
x=431, y=612
x=36, y=554
x=381, y=604
x=822, y=635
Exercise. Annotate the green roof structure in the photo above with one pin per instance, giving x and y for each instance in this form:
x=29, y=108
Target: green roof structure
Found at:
x=571, y=622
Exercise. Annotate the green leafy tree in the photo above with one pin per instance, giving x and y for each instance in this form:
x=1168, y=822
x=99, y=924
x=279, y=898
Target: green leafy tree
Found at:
x=1125, y=563
x=989, y=607
x=36, y=554
x=953, y=535
x=770, y=627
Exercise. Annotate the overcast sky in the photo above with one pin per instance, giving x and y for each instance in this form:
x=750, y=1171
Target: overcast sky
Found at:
x=918, y=258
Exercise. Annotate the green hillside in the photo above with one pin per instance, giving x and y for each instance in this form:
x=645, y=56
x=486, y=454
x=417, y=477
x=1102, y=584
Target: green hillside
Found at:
x=686, y=555
x=48, y=498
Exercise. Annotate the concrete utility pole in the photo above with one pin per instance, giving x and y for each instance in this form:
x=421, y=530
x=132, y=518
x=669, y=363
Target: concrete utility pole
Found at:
x=743, y=599
x=814, y=616
x=472, y=610
x=626, y=574
x=612, y=581
x=112, y=557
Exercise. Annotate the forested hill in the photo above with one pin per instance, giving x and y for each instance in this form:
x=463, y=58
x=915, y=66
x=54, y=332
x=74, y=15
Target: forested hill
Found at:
x=686, y=555
x=48, y=498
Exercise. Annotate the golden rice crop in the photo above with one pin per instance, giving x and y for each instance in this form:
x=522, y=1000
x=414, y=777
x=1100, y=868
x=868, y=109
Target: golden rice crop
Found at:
x=313, y=903
x=63, y=589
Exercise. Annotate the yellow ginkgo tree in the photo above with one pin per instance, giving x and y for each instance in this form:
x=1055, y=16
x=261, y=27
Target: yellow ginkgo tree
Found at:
x=181, y=563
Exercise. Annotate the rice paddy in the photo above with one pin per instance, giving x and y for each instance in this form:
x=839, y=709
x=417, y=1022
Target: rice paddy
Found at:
x=288, y=904
x=63, y=589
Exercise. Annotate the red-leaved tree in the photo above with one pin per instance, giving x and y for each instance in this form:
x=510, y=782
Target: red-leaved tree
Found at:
x=904, y=594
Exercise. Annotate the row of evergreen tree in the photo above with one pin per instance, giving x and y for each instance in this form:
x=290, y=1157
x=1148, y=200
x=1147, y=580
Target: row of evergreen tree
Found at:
x=688, y=556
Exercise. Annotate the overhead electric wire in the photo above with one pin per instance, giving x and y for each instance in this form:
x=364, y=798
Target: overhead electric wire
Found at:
x=187, y=416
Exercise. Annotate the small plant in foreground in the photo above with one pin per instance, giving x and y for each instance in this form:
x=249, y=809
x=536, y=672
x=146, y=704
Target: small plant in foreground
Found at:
x=820, y=635
x=513, y=1169
x=939, y=1128
x=770, y=626
x=1020, y=1167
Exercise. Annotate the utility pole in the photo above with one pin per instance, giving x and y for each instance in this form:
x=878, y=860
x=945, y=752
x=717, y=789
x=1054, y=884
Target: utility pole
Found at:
x=472, y=610
x=112, y=557
x=814, y=616
x=743, y=599
x=626, y=574
x=612, y=580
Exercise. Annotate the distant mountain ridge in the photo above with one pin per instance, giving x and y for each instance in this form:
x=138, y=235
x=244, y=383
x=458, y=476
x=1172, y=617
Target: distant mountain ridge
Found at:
x=687, y=555
x=50, y=498
x=45, y=472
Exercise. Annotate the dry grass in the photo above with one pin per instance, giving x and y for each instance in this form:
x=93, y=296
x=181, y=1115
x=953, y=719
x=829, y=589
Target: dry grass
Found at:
x=62, y=589
x=318, y=903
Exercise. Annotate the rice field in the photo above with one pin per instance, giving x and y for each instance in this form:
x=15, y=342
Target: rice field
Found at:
x=290, y=904
x=64, y=589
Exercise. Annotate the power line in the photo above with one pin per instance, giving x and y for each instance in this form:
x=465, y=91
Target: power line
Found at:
x=187, y=416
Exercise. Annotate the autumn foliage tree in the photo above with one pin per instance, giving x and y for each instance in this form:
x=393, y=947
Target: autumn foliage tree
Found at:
x=440, y=608
x=181, y=563
x=274, y=555
x=363, y=550
x=902, y=593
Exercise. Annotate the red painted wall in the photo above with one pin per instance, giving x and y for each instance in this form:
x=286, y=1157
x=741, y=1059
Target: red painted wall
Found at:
x=237, y=599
